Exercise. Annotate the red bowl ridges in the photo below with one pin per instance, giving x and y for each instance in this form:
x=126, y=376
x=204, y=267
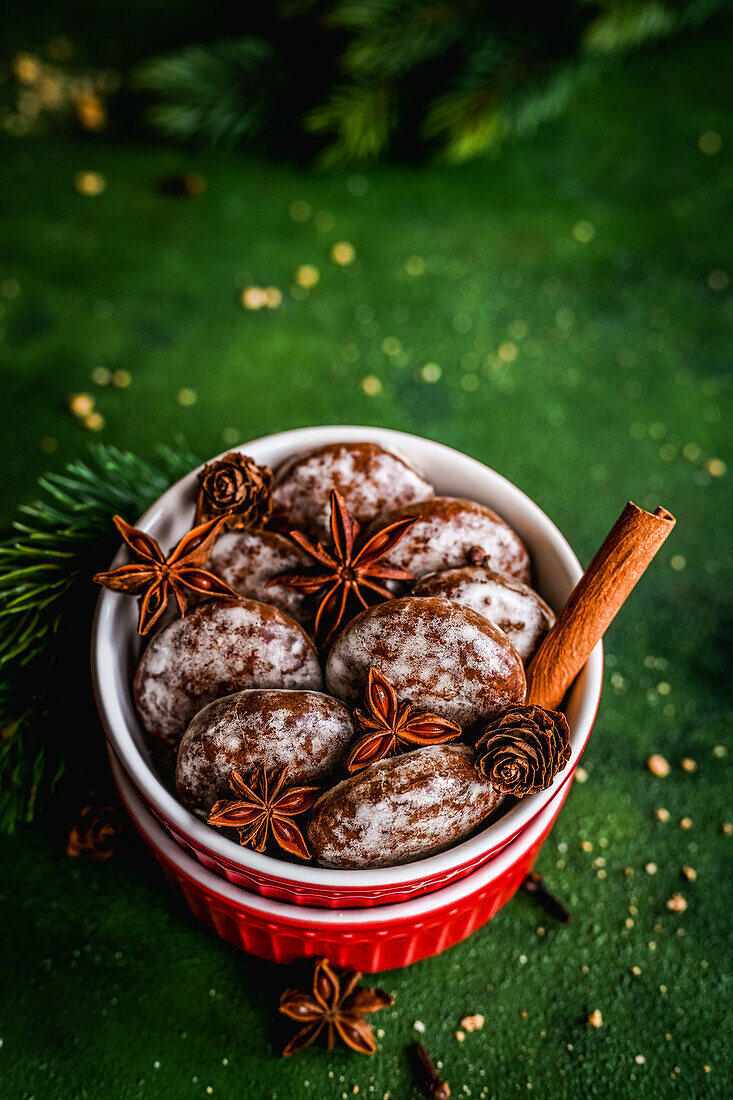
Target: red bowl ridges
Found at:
x=365, y=939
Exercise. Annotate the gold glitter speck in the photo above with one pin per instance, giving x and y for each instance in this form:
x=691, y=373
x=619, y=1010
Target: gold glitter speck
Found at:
x=718, y=280
x=584, y=231
x=415, y=265
x=94, y=422
x=710, y=143
x=307, y=276
x=371, y=385
x=300, y=210
x=89, y=183
x=81, y=404
x=343, y=253
x=657, y=765
x=716, y=467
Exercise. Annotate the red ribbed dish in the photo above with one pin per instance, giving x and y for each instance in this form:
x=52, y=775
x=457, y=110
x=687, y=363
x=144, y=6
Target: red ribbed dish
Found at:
x=365, y=939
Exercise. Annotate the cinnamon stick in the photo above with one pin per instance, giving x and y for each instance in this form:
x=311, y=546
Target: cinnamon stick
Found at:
x=627, y=550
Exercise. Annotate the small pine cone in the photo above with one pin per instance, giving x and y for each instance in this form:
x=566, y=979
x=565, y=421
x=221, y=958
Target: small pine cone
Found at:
x=522, y=750
x=237, y=488
x=96, y=832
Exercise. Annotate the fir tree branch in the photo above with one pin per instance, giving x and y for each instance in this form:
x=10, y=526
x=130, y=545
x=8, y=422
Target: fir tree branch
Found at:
x=46, y=605
x=374, y=77
x=221, y=93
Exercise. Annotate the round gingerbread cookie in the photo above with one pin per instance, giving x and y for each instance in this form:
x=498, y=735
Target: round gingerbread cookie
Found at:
x=256, y=728
x=401, y=809
x=219, y=648
x=246, y=560
x=439, y=655
x=513, y=606
x=447, y=529
x=369, y=478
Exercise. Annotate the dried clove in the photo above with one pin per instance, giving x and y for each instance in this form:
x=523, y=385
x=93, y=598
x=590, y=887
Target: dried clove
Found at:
x=534, y=887
x=433, y=1084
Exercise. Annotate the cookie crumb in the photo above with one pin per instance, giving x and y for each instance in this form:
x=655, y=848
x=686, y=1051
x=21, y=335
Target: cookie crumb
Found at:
x=473, y=1023
x=595, y=1019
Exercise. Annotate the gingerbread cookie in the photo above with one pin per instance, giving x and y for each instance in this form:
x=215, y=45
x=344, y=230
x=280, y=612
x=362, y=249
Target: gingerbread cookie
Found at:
x=306, y=730
x=436, y=654
x=219, y=648
x=246, y=560
x=368, y=477
x=445, y=533
x=514, y=607
x=401, y=809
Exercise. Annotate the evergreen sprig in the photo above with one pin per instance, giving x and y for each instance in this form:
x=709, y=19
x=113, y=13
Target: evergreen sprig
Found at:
x=46, y=605
x=362, y=79
x=222, y=93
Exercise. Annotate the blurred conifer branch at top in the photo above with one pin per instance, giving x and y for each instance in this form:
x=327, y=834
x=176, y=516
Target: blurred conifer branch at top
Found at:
x=353, y=81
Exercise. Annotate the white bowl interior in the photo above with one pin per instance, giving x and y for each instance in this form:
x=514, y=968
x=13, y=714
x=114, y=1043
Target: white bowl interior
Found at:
x=116, y=648
x=380, y=915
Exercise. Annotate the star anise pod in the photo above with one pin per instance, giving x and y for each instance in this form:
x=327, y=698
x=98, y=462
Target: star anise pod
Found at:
x=350, y=574
x=158, y=576
x=388, y=722
x=265, y=806
x=336, y=1005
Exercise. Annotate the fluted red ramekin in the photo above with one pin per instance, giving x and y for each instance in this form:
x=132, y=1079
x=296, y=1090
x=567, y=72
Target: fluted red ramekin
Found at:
x=375, y=938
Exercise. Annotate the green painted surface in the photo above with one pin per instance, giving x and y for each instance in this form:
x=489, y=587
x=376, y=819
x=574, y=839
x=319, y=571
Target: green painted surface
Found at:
x=614, y=383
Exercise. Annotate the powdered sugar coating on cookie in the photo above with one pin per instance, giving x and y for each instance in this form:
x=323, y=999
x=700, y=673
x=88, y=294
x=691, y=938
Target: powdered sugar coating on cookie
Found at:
x=219, y=648
x=401, y=809
x=369, y=478
x=511, y=605
x=448, y=528
x=439, y=655
x=306, y=730
x=246, y=560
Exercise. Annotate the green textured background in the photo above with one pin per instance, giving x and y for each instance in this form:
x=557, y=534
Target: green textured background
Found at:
x=619, y=389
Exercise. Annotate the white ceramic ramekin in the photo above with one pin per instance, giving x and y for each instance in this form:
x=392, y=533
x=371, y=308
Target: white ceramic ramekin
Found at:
x=116, y=648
